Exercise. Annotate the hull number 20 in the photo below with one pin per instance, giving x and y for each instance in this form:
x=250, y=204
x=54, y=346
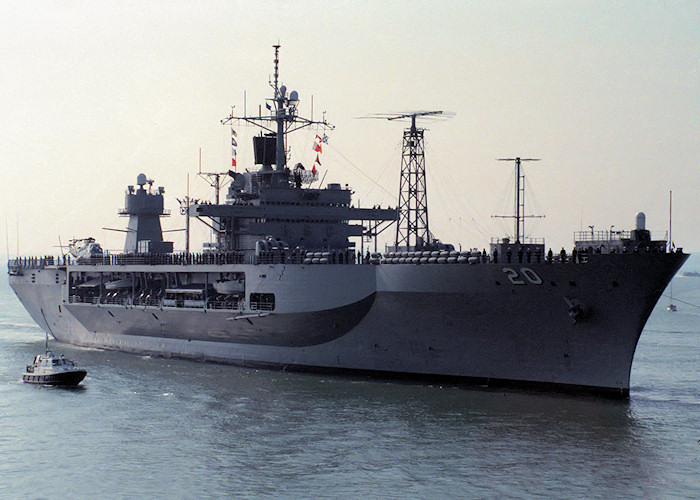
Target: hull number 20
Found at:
x=515, y=277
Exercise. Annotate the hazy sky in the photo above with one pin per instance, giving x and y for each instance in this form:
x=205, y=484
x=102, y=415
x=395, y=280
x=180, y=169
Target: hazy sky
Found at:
x=607, y=94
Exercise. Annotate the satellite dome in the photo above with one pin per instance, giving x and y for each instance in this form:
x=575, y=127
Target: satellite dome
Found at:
x=641, y=221
x=283, y=90
x=293, y=95
x=141, y=179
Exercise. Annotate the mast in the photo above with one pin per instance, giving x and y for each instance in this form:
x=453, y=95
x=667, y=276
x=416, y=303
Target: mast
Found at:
x=670, y=220
x=187, y=218
x=282, y=119
x=280, y=154
x=412, y=230
x=214, y=180
x=519, y=198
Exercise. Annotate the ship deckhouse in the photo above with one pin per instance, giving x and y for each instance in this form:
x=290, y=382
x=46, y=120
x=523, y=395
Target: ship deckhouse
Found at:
x=310, y=219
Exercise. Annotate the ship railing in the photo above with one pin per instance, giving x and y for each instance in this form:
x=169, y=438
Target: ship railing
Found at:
x=302, y=257
x=117, y=301
x=216, y=258
x=235, y=305
x=124, y=212
x=78, y=299
x=185, y=304
x=527, y=240
x=601, y=236
x=14, y=265
x=17, y=265
x=262, y=306
x=226, y=304
x=147, y=302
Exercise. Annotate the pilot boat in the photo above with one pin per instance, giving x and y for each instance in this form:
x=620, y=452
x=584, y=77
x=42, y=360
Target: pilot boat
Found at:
x=48, y=369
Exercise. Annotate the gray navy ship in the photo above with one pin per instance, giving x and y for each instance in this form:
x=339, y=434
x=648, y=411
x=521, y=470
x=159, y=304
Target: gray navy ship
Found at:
x=284, y=285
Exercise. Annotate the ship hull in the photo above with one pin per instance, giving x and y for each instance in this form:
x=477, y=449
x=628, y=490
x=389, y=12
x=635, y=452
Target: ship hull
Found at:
x=564, y=326
x=69, y=379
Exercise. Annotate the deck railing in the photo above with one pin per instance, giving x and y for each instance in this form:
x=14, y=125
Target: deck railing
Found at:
x=18, y=265
x=231, y=305
x=581, y=236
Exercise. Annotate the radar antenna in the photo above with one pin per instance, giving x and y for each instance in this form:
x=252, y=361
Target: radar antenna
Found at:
x=519, y=199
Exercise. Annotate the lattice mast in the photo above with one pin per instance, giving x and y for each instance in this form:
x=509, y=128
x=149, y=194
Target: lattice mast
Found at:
x=412, y=230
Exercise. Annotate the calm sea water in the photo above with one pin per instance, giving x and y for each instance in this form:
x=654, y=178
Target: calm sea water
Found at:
x=149, y=427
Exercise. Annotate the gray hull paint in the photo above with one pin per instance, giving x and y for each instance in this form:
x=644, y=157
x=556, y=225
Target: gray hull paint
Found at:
x=290, y=330
x=485, y=322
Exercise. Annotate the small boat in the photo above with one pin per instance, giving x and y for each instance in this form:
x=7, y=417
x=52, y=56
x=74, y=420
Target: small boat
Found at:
x=229, y=286
x=120, y=283
x=48, y=369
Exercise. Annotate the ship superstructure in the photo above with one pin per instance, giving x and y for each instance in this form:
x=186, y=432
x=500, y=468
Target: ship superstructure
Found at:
x=268, y=213
x=144, y=208
x=284, y=286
